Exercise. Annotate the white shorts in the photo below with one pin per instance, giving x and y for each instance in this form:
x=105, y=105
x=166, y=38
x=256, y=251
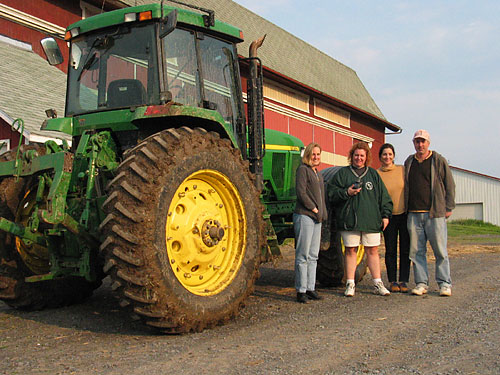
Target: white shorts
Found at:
x=353, y=238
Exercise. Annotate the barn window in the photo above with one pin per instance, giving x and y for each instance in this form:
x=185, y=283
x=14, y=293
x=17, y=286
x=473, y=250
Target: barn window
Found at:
x=285, y=95
x=332, y=113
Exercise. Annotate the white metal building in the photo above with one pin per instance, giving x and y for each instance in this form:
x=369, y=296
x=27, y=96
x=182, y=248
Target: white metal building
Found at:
x=477, y=196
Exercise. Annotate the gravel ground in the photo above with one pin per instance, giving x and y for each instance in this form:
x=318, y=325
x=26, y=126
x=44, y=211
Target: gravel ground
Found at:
x=367, y=334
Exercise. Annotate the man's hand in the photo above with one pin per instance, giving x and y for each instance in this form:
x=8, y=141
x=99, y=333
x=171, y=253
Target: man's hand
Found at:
x=315, y=210
x=447, y=215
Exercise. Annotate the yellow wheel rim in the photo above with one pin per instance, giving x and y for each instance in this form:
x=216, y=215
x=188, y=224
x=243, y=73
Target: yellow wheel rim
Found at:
x=206, y=232
x=34, y=256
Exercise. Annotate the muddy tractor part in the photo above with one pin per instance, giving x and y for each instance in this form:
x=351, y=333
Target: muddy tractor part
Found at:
x=157, y=189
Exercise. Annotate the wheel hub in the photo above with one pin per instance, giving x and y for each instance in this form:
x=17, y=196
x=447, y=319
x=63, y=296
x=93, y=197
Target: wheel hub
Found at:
x=212, y=233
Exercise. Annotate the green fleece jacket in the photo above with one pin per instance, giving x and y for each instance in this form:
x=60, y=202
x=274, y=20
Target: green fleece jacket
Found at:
x=364, y=211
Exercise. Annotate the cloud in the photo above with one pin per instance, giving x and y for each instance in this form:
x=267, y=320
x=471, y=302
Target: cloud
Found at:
x=461, y=122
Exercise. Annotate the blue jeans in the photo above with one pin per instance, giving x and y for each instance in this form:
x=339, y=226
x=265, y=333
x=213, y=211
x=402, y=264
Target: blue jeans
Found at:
x=307, y=240
x=422, y=229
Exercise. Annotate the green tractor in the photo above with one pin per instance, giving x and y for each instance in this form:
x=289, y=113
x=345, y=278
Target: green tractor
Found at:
x=166, y=186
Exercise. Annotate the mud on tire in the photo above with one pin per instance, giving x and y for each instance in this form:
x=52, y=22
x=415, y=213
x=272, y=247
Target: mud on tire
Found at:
x=184, y=231
x=14, y=290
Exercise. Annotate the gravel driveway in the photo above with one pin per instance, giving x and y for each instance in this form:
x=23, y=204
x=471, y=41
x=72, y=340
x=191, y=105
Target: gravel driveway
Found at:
x=367, y=334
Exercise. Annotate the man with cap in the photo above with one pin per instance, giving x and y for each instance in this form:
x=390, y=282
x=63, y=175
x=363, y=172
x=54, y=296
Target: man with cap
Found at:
x=430, y=198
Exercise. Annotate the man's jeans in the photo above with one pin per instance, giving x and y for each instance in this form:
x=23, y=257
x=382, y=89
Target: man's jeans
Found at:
x=422, y=228
x=307, y=240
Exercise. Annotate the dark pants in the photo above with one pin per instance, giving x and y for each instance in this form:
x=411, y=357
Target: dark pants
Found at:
x=397, y=227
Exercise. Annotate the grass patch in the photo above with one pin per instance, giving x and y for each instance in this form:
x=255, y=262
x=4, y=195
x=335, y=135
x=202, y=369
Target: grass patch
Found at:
x=470, y=231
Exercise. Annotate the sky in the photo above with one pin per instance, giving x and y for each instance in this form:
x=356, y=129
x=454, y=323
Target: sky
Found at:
x=428, y=64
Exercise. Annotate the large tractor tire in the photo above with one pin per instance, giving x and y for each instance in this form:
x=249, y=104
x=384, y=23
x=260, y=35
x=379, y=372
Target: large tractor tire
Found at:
x=184, y=231
x=331, y=260
x=20, y=259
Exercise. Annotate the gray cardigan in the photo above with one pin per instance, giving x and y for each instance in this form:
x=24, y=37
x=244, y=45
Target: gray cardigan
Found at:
x=310, y=193
x=442, y=185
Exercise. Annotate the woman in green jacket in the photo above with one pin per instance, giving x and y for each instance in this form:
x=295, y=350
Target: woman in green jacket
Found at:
x=362, y=209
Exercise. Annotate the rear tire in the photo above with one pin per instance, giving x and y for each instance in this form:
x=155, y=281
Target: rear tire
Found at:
x=184, y=231
x=331, y=264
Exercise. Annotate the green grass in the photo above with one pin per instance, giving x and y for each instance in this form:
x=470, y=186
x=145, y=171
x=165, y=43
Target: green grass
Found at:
x=469, y=231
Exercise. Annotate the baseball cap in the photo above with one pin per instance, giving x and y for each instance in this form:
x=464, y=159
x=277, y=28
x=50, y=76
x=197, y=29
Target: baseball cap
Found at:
x=424, y=134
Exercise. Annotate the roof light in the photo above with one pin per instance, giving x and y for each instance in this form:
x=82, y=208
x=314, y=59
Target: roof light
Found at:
x=75, y=32
x=144, y=16
x=72, y=33
x=130, y=17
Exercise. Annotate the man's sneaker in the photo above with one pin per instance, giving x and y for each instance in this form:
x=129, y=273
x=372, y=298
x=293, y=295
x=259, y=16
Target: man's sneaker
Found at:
x=381, y=289
x=445, y=291
x=419, y=290
x=349, y=290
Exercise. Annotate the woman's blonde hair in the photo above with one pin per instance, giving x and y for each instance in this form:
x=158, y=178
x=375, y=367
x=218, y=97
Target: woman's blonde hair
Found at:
x=361, y=146
x=306, y=158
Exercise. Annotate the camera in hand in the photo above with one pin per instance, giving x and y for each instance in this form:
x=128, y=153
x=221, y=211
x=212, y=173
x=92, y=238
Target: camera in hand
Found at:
x=357, y=184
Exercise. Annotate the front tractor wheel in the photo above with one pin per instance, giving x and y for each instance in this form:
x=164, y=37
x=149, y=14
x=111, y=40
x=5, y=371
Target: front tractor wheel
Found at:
x=184, y=230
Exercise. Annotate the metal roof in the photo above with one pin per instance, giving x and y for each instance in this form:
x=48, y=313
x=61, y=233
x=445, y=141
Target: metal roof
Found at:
x=29, y=86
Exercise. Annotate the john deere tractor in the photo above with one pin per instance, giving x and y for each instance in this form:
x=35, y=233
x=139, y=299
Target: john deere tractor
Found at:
x=167, y=186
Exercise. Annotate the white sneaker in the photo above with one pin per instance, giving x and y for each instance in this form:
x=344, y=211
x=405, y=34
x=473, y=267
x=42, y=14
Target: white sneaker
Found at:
x=445, y=291
x=349, y=290
x=381, y=289
x=419, y=290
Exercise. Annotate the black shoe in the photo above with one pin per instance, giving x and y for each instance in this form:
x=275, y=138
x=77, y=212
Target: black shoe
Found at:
x=302, y=298
x=312, y=294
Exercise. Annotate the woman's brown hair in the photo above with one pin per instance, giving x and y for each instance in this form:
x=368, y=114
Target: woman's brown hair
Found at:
x=361, y=146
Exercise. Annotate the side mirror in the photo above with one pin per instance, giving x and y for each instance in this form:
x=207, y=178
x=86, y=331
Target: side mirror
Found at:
x=52, y=52
x=168, y=24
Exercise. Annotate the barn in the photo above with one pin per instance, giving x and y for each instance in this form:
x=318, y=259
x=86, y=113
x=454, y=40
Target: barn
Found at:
x=476, y=196
x=307, y=93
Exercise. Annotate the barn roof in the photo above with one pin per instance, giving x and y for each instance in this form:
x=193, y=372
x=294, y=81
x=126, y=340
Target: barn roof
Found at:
x=29, y=86
x=290, y=56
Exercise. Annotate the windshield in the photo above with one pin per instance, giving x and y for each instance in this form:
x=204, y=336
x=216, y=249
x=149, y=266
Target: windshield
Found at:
x=116, y=68
x=212, y=85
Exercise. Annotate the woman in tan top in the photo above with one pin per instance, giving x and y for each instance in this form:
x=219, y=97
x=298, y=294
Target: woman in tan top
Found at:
x=393, y=177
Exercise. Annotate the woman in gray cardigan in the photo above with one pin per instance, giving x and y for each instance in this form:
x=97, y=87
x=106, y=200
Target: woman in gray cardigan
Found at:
x=310, y=212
